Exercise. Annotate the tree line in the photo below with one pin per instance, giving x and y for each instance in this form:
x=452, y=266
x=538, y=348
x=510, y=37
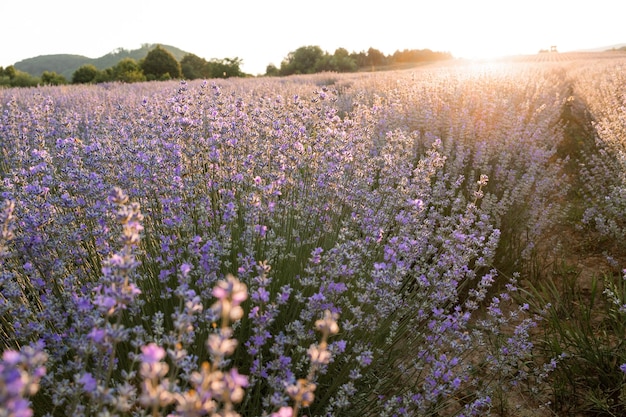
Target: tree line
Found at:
x=312, y=59
x=159, y=64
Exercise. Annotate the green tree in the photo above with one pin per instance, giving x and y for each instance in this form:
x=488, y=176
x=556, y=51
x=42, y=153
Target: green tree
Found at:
x=10, y=77
x=341, y=61
x=160, y=64
x=52, y=78
x=128, y=71
x=10, y=71
x=304, y=60
x=225, y=68
x=324, y=63
x=5, y=81
x=360, y=58
x=194, y=67
x=419, y=55
x=233, y=67
x=104, y=76
x=23, y=79
x=375, y=57
x=271, y=70
x=85, y=74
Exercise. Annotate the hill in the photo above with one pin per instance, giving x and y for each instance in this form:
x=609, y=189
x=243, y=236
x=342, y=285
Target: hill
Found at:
x=615, y=47
x=66, y=64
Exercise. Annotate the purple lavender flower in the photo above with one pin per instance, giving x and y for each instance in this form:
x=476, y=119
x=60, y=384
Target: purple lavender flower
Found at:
x=20, y=373
x=88, y=382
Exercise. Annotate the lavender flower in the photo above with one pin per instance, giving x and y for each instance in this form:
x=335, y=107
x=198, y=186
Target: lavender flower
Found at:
x=154, y=390
x=283, y=412
x=20, y=373
x=6, y=226
x=230, y=294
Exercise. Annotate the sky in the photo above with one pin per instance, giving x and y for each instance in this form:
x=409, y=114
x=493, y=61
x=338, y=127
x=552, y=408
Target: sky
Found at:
x=262, y=32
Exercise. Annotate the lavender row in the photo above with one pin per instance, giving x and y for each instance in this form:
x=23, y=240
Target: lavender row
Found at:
x=601, y=87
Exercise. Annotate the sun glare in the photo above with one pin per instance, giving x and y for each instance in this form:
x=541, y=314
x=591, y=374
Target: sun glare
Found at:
x=491, y=48
x=482, y=53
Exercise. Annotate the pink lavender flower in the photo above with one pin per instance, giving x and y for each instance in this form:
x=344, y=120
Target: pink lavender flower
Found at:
x=152, y=353
x=235, y=382
x=231, y=288
x=154, y=390
x=221, y=344
x=230, y=294
x=283, y=412
x=318, y=355
x=328, y=325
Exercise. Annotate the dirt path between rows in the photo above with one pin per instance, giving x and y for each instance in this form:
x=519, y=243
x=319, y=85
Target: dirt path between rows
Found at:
x=579, y=259
x=582, y=249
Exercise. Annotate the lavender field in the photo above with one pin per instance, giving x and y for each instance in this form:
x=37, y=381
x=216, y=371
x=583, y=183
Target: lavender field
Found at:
x=369, y=244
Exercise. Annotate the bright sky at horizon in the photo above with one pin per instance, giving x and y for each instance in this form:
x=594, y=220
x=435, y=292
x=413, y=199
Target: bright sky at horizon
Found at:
x=264, y=32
